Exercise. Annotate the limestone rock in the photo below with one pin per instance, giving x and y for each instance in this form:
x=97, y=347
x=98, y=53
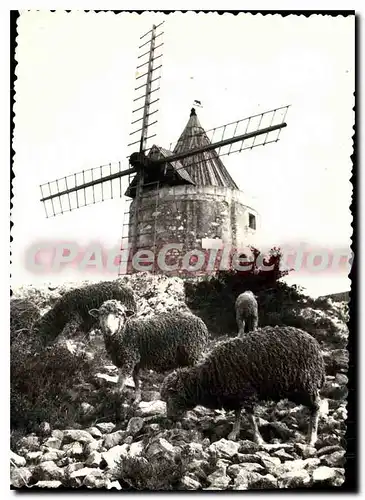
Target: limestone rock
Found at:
x=283, y=455
x=160, y=445
x=48, y=471
x=113, y=455
x=134, y=425
x=219, y=480
x=52, y=455
x=69, y=469
x=93, y=482
x=335, y=459
x=34, y=456
x=305, y=450
x=94, y=446
x=326, y=450
x=328, y=476
x=113, y=484
x=20, y=476
x=188, y=483
x=235, y=469
x=86, y=471
x=94, y=459
x=247, y=446
x=48, y=484
x=57, y=434
x=224, y=448
x=253, y=480
x=136, y=449
x=74, y=450
x=249, y=458
x=113, y=439
x=17, y=459
x=294, y=479
x=105, y=427
x=53, y=442
x=77, y=435
x=267, y=461
x=157, y=407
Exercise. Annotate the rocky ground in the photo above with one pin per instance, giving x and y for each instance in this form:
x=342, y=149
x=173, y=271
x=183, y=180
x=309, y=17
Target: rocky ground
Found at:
x=133, y=447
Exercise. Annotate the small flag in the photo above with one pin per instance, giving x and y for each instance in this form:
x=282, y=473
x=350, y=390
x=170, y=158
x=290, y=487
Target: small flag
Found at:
x=198, y=103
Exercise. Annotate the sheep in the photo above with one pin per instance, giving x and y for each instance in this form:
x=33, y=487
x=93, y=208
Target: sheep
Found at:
x=270, y=364
x=246, y=312
x=162, y=342
x=71, y=311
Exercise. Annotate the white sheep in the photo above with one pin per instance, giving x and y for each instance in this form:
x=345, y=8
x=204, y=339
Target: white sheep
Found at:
x=246, y=312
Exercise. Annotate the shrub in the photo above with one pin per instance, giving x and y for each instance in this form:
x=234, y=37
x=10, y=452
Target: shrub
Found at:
x=214, y=298
x=23, y=315
x=160, y=473
x=41, y=383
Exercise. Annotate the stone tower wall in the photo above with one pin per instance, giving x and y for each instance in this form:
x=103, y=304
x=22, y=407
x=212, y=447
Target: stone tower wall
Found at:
x=190, y=215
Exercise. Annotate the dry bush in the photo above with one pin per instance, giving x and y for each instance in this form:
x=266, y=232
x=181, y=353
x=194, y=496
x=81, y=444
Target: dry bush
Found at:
x=161, y=473
x=41, y=383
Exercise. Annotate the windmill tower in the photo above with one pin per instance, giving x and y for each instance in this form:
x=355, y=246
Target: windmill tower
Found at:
x=179, y=199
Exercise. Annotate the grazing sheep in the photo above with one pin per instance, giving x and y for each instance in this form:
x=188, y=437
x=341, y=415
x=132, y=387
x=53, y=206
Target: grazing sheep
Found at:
x=246, y=312
x=161, y=343
x=270, y=364
x=71, y=311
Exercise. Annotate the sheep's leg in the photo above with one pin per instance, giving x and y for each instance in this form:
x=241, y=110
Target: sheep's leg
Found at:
x=240, y=323
x=313, y=422
x=121, y=381
x=137, y=384
x=249, y=325
x=252, y=324
x=236, y=426
x=256, y=433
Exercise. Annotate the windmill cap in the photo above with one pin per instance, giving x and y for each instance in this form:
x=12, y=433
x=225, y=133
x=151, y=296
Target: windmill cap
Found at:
x=192, y=112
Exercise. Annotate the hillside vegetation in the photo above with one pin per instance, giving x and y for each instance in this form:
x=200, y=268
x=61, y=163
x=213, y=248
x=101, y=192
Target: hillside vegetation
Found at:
x=69, y=429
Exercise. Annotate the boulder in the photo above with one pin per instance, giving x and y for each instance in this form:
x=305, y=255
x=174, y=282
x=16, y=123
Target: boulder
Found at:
x=328, y=476
x=17, y=459
x=105, y=427
x=20, y=476
x=79, y=435
x=224, y=448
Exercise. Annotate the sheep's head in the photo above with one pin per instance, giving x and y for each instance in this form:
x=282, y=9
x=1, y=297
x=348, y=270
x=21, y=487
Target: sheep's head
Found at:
x=174, y=393
x=112, y=316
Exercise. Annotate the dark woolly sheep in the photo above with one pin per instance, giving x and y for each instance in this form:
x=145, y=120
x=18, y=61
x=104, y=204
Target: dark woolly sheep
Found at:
x=160, y=343
x=71, y=311
x=246, y=312
x=270, y=364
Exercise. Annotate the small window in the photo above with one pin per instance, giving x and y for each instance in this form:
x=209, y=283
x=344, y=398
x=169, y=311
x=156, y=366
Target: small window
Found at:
x=251, y=221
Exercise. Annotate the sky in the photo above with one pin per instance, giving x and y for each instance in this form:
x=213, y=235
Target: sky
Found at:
x=74, y=91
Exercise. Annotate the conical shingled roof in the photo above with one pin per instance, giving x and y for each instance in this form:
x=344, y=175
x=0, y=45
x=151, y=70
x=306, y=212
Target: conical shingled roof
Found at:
x=205, y=169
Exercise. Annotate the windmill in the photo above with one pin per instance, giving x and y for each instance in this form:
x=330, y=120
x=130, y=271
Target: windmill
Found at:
x=156, y=174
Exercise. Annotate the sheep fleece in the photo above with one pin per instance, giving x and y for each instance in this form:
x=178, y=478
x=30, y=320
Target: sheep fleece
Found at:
x=160, y=343
x=76, y=303
x=247, y=310
x=272, y=363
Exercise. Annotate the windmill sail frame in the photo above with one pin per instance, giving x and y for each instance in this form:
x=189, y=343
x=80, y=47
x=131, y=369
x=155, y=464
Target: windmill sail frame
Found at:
x=64, y=192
